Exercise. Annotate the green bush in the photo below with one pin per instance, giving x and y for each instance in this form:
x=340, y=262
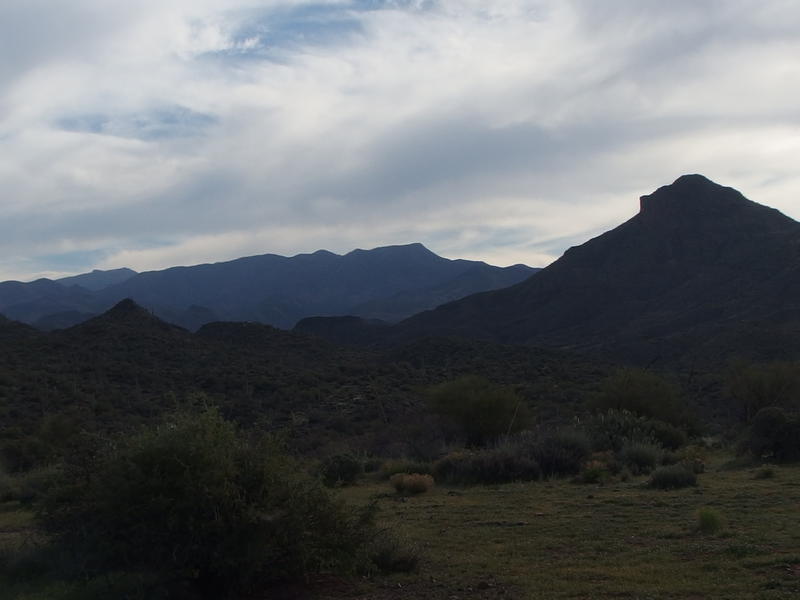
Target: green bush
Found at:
x=613, y=429
x=503, y=464
x=641, y=458
x=562, y=453
x=391, y=467
x=666, y=435
x=672, y=478
x=195, y=504
x=481, y=409
x=709, y=521
x=340, y=470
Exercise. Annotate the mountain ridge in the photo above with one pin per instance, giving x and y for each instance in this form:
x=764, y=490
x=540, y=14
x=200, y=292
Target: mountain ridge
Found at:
x=389, y=282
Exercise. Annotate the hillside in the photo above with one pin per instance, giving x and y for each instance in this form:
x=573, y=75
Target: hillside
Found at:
x=126, y=366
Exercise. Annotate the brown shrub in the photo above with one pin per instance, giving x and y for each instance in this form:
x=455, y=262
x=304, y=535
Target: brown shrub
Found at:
x=411, y=483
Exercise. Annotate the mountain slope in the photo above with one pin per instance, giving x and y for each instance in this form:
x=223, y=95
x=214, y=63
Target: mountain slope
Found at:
x=97, y=280
x=698, y=263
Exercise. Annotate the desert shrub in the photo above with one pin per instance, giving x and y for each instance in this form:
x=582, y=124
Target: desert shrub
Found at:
x=666, y=435
x=692, y=457
x=391, y=467
x=482, y=410
x=775, y=434
x=643, y=393
x=613, y=429
x=340, y=469
x=765, y=472
x=670, y=458
x=640, y=458
x=411, y=483
x=594, y=471
x=195, y=504
x=562, y=453
x=392, y=554
x=709, y=521
x=672, y=478
x=503, y=464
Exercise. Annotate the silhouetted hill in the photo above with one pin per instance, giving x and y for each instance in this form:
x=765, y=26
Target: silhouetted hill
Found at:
x=125, y=316
x=691, y=277
x=392, y=282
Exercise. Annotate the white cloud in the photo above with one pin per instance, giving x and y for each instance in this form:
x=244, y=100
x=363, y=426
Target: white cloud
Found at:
x=155, y=133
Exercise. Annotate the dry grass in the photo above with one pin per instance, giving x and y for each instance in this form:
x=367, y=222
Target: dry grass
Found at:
x=556, y=539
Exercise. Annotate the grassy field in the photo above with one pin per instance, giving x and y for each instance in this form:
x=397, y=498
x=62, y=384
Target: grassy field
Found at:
x=562, y=540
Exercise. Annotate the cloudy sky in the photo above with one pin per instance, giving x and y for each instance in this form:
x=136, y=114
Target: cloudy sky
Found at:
x=152, y=133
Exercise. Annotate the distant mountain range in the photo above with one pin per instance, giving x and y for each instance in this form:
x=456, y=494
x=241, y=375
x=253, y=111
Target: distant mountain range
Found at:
x=388, y=283
x=699, y=274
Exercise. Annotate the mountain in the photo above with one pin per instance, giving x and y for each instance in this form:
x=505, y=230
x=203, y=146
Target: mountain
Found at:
x=388, y=283
x=97, y=280
x=700, y=273
x=28, y=302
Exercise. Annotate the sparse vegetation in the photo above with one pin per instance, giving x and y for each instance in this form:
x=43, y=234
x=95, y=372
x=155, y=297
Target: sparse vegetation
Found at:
x=641, y=458
x=709, y=521
x=560, y=454
x=503, y=464
x=673, y=477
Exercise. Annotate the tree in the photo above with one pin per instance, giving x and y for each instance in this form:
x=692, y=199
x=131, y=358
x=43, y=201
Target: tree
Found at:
x=643, y=393
x=482, y=410
x=757, y=386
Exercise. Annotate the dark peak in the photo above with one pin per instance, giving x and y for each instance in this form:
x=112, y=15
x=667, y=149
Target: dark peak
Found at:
x=414, y=249
x=127, y=314
x=126, y=307
x=692, y=180
x=692, y=194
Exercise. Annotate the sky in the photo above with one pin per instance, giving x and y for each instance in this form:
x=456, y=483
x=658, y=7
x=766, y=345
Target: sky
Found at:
x=154, y=133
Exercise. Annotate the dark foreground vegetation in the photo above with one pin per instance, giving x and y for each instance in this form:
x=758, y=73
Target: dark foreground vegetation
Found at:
x=142, y=461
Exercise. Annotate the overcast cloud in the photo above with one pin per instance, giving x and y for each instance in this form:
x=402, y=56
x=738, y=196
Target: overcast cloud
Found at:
x=152, y=133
